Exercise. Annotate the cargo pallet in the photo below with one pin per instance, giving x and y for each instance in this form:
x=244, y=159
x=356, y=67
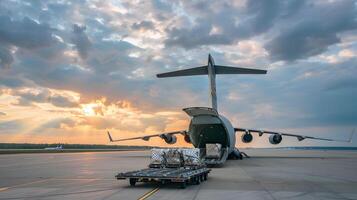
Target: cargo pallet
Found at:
x=181, y=175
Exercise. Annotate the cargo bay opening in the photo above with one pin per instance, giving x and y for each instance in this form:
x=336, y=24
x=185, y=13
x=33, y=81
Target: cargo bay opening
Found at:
x=210, y=135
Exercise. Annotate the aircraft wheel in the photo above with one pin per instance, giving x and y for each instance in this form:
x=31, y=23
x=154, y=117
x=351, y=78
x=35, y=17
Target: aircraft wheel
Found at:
x=132, y=181
x=194, y=180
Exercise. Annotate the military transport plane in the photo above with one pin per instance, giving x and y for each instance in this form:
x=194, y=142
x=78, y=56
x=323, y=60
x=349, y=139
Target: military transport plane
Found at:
x=208, y=127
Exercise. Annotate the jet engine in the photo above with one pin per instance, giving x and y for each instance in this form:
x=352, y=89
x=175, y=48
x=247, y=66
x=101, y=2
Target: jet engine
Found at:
x=275, y=139
x=169, y=139
x=187, y=138
x=247, y=137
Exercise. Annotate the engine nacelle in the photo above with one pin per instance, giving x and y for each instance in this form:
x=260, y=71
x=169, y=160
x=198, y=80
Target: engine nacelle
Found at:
x=169, y=139
x=275, y=139
x=247, y=137
x=187, y=138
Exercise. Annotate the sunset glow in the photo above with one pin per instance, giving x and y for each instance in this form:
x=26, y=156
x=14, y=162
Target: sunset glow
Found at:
x=72, y=70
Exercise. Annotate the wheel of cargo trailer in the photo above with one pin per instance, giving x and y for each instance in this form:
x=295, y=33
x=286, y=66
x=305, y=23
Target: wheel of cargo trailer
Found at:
x=132, y=181
x=202, y=178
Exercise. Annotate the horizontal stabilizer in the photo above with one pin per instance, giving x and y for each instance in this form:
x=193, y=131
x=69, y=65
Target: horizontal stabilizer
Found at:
x=237, y=70
x=185, y=72
x=219, y=69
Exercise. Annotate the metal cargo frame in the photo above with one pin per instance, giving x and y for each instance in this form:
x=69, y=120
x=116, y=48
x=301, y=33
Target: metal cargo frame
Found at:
x=182, y=175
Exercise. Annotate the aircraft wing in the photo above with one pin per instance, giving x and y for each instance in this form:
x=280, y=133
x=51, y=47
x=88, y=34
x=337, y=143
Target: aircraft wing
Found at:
x=299, y=137
x=166, y=136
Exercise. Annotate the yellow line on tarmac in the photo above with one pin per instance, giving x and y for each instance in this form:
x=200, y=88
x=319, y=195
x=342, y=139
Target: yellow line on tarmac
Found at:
x=3, y=189
x=148, y=194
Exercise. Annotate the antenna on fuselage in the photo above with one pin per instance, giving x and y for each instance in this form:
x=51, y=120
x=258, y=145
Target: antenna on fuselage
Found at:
x=211, y=69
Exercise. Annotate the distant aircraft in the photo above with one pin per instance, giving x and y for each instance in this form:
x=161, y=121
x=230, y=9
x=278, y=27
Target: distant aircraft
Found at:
x=208, y=127
x=58, y=147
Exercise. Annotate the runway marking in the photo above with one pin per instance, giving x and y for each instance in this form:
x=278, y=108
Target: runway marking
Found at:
x=23, y=184
x=148, y=194
x=81, y=179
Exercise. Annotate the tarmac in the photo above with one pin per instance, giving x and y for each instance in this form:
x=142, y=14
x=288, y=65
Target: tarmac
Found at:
x=268, y=174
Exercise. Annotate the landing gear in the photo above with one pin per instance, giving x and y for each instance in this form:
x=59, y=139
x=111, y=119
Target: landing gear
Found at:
x=237, y=155
x=244, y=154
x=132, y=181
x=240, y=156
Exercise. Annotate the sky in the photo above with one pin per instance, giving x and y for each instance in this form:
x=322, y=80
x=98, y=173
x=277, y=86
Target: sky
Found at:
x=71, y=70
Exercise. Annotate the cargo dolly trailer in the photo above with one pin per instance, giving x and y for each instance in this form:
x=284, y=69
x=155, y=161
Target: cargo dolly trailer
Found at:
x=182, y=166
x=182, y=175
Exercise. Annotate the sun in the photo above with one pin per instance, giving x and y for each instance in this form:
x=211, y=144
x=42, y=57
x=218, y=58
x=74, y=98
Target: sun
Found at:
x=88, y=110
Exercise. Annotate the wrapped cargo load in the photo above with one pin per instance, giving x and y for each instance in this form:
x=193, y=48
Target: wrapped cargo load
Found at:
x=191, y=156
x=213, y=151
x=157, y=156
x=175, y=157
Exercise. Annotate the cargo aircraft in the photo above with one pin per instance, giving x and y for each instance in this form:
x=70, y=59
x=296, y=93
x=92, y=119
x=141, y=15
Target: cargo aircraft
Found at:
x=58, y=147
x=208, y=127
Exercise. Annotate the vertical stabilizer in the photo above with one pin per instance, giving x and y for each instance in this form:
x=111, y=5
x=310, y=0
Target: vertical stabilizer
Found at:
x=212, y=80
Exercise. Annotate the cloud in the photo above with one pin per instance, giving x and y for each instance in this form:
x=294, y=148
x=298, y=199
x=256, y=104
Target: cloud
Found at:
x=348, y=83
x=29, y=96
x=81, y=40
x=12, y=126
x=61, y=101
x=223, y=25
x=6, y=58
x=26, y=33
x=58, y=123
x=307, y=28
x=314, y=33
x=263, y=15
x=144, y=25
